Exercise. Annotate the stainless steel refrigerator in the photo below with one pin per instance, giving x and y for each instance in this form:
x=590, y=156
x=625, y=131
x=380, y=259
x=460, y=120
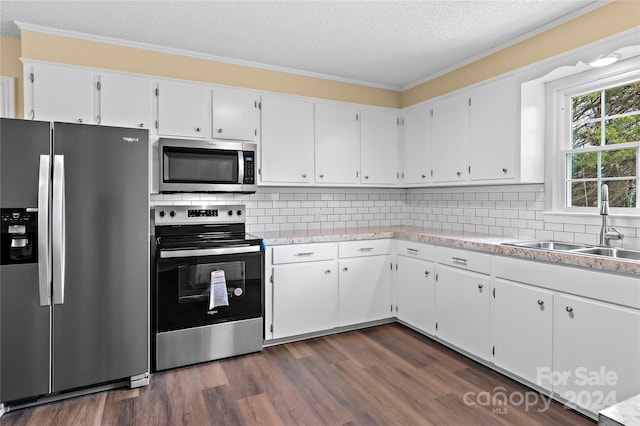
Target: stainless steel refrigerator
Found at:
x=74, y=276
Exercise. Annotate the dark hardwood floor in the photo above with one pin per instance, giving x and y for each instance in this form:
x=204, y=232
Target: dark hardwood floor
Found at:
x=383, y=375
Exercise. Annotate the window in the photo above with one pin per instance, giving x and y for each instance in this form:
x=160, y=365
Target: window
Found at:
x=600, y=141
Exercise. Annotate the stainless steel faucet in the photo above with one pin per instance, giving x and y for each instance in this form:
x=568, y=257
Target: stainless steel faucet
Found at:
x=607, y=233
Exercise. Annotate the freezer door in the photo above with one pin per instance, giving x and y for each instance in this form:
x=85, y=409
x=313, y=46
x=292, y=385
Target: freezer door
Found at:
x=101, y=324
x=24, y=323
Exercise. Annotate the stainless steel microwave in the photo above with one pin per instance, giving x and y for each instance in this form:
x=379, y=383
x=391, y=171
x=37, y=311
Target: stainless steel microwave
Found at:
x=207, y=166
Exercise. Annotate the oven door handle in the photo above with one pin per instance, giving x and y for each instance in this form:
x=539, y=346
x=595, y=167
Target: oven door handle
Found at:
x=167, y=254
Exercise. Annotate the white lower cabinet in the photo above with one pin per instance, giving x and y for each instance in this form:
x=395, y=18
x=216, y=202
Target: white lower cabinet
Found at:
x=365, y=289
x=415, y=293
x=522, y=330
x=596, y=352
x=305, y=298
x=463, y=309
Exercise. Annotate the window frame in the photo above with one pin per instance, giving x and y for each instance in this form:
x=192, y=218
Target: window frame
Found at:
x=559, y=93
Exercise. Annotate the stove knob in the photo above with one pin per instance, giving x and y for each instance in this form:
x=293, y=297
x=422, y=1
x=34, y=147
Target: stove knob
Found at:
x=162, y=213
x=239, y=212
x=230, y=212
x=172, y=213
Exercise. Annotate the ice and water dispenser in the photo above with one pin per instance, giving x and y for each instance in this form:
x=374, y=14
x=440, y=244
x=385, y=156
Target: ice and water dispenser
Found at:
x=19, y=233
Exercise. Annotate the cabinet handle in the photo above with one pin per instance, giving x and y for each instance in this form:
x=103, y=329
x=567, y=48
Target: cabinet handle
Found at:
x=141, y=125
x=480, y=286
x=346, y=268
x=219, y=130
x=459, y=260
x=99, y=119
x=308, y=253
x=569, y=309
x=426, y=273
x=80, y=120
x=198, y=129
x=33, y=114
x=412, y=250
x=328, y=271
x=321, y=176
x=540, y=302
x=365, y=249
x=424, y=176
x=366, y=177
x=459, y=174
x=505, y=170
x=304, y=175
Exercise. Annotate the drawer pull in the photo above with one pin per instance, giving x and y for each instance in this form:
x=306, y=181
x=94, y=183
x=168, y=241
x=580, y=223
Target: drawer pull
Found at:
x=426, y=273
x=569, y=309
x=480, y=286
x=365, y=249
x=540, y=302
x=328, y=271
x=459, y=260
x=308, y=253
x=346, y=268
x=412, y=251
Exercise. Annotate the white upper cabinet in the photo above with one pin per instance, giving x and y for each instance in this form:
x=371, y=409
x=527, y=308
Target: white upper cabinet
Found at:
x=415, y=145
x=60, y=94
x=492, y=136
x=337, y=143
x=126, y=101
x=184, y=110
x=235, y=115
x=379, y=147
x=449, y=138
x=287, y=140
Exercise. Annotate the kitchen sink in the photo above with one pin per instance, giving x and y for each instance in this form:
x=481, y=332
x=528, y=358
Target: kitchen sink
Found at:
x=610, y=252
x=575, y=248
x=548, y=245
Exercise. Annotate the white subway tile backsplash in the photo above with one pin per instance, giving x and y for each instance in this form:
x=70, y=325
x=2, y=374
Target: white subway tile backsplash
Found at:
x=501, y=211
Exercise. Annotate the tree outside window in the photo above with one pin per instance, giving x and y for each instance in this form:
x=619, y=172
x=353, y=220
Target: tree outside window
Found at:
x=604, y=146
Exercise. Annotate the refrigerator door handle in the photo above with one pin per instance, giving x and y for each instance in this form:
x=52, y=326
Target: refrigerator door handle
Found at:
x=44, y=244
x=58, y=233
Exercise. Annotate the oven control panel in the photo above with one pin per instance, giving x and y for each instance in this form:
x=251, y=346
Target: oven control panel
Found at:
x=197, y=215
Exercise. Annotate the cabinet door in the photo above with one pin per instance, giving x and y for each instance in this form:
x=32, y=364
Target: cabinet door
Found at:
x=126, y=101
x=463, y=309
x=305, y=298
x=62, y=95
x=337, y=144
x=415, y=145
x=522, y=329
x=596, y=352
x=379, y=147
x=449, y=139
x=287, y=140
x=415, y=293
x=184, y=110
x=365, y=289
x=235, y=115
x=492, y=135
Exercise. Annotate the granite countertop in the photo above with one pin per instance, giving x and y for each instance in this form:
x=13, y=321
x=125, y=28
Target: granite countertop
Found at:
x=624, y=413
x=463, y=240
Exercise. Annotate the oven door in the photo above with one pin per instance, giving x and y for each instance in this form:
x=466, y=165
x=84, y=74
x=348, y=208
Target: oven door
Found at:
x=208, y=286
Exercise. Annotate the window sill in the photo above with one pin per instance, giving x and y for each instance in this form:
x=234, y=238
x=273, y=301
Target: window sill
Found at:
x=615, y=219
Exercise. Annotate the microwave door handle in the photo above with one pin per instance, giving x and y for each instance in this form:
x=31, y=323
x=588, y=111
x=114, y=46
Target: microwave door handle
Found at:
x=240, y=167
x=44, y=267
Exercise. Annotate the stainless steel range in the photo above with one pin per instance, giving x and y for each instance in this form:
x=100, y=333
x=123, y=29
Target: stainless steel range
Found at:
x=208, y=292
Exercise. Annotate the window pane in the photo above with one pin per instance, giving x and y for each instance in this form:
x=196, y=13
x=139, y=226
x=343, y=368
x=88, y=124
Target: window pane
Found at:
x=584, y=194
x=586, y=107
x=622, y=193
x=622, y=99
x=622, y=130
x=587, y=134
x=583, y=166
x=619, y=163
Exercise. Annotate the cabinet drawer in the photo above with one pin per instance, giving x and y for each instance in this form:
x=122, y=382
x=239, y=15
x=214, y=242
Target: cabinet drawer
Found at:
x=364, y=248
x=414, y=249
x=296, y=253
x=464, y=259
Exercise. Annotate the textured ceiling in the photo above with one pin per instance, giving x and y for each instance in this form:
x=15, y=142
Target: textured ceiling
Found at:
x=381, y=43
